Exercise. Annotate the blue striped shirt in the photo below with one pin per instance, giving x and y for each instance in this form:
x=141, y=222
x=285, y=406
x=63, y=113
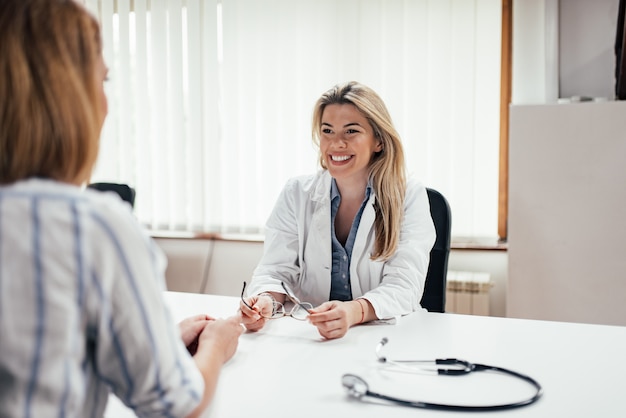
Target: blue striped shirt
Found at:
x=81, y=309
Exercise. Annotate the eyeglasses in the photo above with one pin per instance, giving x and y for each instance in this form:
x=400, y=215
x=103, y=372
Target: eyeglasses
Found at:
x=299, y=311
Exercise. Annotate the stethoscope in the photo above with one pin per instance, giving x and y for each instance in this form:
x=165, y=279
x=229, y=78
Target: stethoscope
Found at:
x=358, y=387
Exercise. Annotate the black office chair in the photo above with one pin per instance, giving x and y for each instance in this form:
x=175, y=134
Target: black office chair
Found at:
x=434, y=297
x=126, y=192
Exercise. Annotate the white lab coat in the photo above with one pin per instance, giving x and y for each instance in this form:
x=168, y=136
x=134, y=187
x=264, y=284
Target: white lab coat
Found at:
x=298, y=249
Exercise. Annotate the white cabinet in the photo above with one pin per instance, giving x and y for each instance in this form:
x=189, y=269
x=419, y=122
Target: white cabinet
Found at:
x=567, y=213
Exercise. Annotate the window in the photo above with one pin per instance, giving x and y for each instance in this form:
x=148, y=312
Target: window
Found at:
x=210, y=101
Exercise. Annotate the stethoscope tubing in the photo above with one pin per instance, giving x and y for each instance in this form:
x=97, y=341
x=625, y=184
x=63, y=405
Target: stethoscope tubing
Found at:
x=475, y=408
x=449, y=407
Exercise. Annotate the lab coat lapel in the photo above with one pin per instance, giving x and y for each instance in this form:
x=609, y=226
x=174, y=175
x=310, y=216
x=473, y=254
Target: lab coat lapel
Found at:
x=320, y=234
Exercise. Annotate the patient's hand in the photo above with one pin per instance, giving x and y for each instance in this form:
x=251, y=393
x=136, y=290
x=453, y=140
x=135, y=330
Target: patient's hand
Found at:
x=190, y=329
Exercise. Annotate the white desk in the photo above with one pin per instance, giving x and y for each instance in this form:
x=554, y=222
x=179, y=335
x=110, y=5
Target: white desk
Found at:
x=288, y=370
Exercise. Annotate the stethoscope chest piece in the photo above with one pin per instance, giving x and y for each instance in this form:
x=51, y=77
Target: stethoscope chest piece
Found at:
x=356, y=386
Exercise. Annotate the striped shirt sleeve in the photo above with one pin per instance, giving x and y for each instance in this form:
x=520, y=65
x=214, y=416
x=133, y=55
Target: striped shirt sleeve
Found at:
x=139, y=350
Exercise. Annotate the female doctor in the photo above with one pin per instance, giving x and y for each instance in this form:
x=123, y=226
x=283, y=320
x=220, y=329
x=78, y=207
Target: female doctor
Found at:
x=353, y=239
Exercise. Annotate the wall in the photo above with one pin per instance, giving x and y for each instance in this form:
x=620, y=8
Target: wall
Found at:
x=562, y=49
x=535, y=51
x=587, y=32
x=209, y=266
x=220, y=267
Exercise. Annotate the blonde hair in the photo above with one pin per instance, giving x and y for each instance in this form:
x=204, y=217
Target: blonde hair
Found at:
x=50, y=112
x=387, y=169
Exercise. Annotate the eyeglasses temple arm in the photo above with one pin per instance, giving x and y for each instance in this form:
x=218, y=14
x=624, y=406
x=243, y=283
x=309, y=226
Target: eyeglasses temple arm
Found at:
x=293, y=299
x=296, y=302
x=242, y=298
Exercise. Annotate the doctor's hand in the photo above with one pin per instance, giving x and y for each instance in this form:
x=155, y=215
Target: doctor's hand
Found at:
x=334, y=318
x=262, y=307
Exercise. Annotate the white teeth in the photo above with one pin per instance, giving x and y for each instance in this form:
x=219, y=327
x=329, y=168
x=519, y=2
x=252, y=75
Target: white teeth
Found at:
x=340, y=157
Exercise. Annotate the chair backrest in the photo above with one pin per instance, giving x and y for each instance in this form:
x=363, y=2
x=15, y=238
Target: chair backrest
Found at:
x=434, y=297
x=126, y=192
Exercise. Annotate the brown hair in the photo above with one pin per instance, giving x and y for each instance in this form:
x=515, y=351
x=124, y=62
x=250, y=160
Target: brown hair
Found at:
x=387, y=169
x=49, y=112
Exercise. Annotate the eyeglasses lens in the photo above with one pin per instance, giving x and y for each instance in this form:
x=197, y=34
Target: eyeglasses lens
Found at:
x=300, y=311
x=278, y=311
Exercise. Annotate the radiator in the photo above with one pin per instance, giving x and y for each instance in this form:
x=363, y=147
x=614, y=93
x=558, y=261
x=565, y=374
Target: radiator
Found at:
x=468, y=292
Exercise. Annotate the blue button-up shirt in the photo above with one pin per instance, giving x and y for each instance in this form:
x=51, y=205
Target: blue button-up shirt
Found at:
x=340, y=274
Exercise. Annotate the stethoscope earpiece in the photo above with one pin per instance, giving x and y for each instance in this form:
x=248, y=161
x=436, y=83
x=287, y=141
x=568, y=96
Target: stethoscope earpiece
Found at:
x=379, y=347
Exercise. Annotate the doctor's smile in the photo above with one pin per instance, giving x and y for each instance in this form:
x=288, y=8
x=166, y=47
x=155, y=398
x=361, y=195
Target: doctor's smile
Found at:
x=340, y=158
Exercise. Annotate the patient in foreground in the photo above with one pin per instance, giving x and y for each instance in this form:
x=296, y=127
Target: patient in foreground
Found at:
x=81, y=304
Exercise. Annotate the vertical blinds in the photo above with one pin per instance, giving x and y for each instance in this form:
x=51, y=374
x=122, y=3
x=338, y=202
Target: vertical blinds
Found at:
x=210, y=101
